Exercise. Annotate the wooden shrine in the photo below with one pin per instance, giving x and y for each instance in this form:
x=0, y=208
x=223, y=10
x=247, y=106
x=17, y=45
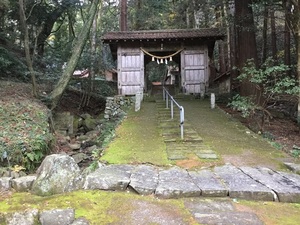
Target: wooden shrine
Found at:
x=191, y=49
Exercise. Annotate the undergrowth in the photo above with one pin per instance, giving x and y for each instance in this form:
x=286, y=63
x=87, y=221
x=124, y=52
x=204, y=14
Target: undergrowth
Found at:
x=25, y=135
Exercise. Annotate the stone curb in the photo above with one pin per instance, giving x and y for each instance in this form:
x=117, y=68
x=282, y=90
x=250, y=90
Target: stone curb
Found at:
x=247, y=183
x=242, y=183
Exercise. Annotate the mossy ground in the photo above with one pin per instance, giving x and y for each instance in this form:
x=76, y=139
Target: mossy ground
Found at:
x=99, y=207
x=102, y=207
x=138, y=139
x=272, y=213
x=234, y=142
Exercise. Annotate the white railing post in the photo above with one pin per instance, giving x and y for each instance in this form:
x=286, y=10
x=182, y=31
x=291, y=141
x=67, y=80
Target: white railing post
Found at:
x=181, y=121
x=166, y=97
x=172, y=109
x=167, y=101
x=212, y=100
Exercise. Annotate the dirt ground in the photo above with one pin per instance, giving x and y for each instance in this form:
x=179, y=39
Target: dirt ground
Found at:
x=283, y=131
x=70, y=101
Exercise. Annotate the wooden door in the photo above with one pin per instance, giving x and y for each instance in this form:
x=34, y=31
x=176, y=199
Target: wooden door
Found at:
x=130, y=71
x=194, y=71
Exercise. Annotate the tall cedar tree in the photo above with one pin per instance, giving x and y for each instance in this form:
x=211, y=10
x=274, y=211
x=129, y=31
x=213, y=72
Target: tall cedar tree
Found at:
x=246, y=43
x=123, y=17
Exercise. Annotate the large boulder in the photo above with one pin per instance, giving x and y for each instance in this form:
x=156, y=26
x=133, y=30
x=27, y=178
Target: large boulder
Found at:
x=57, y=217
x=112, y=177
x=89, y=122
x=28, y=217
x=57, y=174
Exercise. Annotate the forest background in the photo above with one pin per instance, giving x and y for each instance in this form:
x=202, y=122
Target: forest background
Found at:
x=44, y=41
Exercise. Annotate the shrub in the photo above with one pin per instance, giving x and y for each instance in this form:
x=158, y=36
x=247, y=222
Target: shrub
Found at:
x=11, y=66
x=271, y=81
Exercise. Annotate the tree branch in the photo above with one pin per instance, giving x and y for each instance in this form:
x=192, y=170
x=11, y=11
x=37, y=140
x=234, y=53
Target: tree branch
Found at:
x=32, y=9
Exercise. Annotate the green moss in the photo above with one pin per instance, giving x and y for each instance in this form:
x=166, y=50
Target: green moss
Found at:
x=227, y=136
x=138, y=139
x=273, y=213
x=99, y=207
x=103, y=207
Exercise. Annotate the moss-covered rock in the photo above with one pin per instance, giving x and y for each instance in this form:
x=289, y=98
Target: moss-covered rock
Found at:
x=57, y=174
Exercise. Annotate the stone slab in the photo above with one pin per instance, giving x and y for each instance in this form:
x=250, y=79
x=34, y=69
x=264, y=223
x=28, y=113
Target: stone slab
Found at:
x=293, y=167
x=57, y=217
x=112, y=177
x=208, y=183
x=218, y=211
x=228, y=218
x=201, y=151
x=208, y=205
x=176, y=155
x=291, y=176
x=240, y=185
x=286, y=189
x=176, y=183
x=144, y=179
x=207, y=155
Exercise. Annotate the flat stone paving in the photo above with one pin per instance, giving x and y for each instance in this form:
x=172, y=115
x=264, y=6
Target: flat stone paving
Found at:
x=224, y=181
x=211, y=212
x=178, y=149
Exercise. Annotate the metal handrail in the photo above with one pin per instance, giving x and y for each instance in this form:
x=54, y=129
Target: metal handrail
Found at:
x=167, y=97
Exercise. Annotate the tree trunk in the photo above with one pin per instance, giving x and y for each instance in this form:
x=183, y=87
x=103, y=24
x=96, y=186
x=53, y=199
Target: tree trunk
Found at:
x=76, y=53
x=48, y=24
x=232, y=43
x=93, y=51
x=246, y=41
x=123, y=16
x=287, y=36
x=273, y=35
x=27, y=47
x=298, y=68
x=71, y=27
x=221, y=44
x=138, y=24
x=265, y=33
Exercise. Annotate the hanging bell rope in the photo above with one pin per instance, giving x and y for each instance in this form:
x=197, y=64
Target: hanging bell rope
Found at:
x=161, y=57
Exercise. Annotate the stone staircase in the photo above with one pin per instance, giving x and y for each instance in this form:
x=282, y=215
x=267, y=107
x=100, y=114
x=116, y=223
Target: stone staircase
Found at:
x=177, y=148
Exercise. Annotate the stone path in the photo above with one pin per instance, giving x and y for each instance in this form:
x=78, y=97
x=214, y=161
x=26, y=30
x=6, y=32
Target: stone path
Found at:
x=178, y=149
x=225, y=181
x=208, y=211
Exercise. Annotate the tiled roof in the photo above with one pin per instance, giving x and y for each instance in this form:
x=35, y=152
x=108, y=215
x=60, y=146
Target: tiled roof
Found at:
x=164, y=34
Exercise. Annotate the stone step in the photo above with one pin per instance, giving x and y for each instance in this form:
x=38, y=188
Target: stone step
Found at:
x=247, y=183
x=176, y=151
x=177, y=148
x=177, y=138
x=168, y=113
x=286, y=187
x=173, y=124
x=164, y=117
x=176, y=130
x=242, y=186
